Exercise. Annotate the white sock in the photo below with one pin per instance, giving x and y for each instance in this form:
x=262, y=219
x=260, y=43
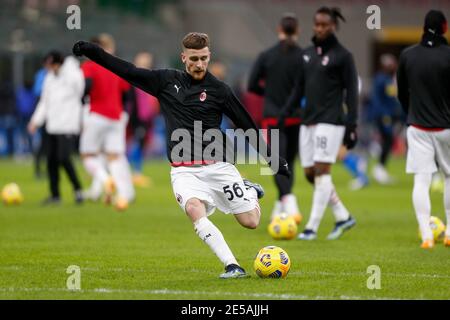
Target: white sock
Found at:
x=323, y=186
x=94, y=166
x=447, y=203
x=422, y=204
x=212, y=236
x=290, y=204
x=120, y=171
x=96, y=188
x=339, y=210
x=277, y=209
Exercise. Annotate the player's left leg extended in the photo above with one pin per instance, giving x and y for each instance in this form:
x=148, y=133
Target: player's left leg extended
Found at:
x=211, y=235
x=192, y=188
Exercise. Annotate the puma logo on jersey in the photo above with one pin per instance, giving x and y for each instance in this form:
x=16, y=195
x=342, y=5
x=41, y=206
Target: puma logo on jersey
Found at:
x=306, y=58
x=176, y=87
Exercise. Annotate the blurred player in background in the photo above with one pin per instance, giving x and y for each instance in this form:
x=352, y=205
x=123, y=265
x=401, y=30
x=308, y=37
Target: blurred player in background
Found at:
x=40, y=150
x=7, y=113
x=273, y=76
x=218, y=70
x=356, y=165
x=384, y=111
x=142, y=108
x=60, y=108
x=104, y=132
x=199, y=184
x=423, y=89
x=328, y=80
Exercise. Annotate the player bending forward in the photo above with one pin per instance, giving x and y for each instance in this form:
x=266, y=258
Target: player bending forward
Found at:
x=195, y=95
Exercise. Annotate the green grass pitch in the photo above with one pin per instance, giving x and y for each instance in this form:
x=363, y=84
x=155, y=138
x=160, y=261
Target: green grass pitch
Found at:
x=152, y=252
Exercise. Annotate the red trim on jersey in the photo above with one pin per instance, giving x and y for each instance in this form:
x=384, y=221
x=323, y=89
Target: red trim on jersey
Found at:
x=272, y=122
x=191, y=163
x=427, y=129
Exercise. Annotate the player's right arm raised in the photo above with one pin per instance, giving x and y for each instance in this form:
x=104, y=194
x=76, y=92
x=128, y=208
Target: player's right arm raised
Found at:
x=147, y=80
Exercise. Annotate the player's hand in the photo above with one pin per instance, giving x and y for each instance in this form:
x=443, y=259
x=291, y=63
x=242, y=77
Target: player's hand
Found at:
x=350, y=136
x=79, y=48
x=283, y=168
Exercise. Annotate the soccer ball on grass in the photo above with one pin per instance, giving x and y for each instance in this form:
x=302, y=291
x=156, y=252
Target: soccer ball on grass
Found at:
x=11, y=194
x=437, y=227
x=282, y=227
x=272, y=262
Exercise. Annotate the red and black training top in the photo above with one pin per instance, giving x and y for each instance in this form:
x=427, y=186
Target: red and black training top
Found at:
x=273, y=76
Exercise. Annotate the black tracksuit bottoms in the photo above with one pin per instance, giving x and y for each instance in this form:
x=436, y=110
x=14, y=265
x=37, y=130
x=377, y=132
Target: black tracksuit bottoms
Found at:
x=60, y=148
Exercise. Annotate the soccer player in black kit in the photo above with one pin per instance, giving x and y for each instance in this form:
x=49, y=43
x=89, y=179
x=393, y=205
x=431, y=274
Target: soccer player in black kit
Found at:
x=327, y=80
x=273, y=76
x=188, y=98
x=423, y=79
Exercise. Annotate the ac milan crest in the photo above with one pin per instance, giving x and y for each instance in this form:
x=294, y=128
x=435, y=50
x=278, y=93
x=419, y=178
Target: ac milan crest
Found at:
x=203, y=96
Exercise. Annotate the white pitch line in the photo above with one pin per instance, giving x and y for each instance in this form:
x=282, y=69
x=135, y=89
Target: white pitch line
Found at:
x=363, y=274
x=269, y=296
x=323, y=273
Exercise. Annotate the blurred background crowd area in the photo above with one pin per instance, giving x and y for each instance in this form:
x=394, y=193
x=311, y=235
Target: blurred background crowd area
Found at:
x=239, y=30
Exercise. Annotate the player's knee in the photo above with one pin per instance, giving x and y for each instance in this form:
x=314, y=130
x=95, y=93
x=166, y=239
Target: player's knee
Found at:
x=252, y=224
x=250, y=219
x=321, y=169
x=195, y=209
x=192, y=205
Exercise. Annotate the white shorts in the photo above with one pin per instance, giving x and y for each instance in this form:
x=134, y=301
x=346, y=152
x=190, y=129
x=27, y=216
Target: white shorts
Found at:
x=217, y=185
x=320, y=143
x=427, y=150
x=102, y=134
